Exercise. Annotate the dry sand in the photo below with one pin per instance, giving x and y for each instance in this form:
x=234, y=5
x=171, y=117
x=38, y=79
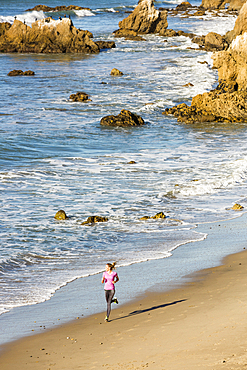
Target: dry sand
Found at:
x=201, y=325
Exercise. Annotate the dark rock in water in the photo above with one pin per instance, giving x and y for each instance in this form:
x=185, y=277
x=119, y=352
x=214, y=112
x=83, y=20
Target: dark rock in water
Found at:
x=80, y=97
x=124, y=119
x=128, y=35
x=19, y=72
x=237, y=207
x=46, y=36
x=60, y=215
x=105, y=44
x=189, y=84
x=94, y=219
x=131, y=162
x=61, y=8
x=145, y=19
x=116, y=72
x=183, y=6
x=157, y=216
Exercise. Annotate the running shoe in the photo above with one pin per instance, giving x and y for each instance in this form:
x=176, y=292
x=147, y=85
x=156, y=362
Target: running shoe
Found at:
x=115, y=300
x=106, y=319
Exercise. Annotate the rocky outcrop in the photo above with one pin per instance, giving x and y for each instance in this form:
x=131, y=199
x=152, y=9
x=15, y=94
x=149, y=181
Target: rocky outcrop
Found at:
x=215, y=105
x=124, y=119
x=221, y=4
x=228, y=102
x=94, y=219
x=231, y=64
x=240, y=25
x=61, y=8
x=46, y=36
x=79, y=97
x=19, y=72
x=144, y=19
x=60, y=215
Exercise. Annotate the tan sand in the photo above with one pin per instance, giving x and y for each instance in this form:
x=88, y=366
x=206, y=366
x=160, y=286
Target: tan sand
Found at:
x=202, y=325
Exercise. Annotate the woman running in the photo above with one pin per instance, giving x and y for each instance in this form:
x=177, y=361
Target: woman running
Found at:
x=110, y=278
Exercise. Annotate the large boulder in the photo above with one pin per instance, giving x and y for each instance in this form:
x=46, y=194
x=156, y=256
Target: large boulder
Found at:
x=214, y=42
x=144, y=19
x=46, y=36
x=124, y=119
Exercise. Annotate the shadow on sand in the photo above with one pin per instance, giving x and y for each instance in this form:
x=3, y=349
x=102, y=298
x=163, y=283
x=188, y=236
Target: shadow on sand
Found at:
x=137, y=312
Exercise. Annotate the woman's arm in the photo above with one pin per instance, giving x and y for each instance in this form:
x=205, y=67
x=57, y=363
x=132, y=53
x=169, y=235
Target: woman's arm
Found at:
x=116, y=279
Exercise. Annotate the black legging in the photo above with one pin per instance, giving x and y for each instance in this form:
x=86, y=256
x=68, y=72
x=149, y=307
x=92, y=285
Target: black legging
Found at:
x=109, y=294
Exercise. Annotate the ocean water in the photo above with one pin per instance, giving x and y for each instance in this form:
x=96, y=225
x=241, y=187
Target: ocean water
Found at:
x=54, y=154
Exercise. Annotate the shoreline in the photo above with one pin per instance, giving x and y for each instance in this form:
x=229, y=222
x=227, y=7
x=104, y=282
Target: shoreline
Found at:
x=84, y=296
x=151, y=330
x=155, y=302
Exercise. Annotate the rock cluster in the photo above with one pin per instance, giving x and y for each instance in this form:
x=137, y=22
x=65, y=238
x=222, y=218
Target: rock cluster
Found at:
x=19, y=72
x=46, y=36
x=144, y=19
x=124, y=119
x=61, y=8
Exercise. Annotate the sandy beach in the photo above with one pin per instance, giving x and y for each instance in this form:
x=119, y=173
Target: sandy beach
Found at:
x=201, y=325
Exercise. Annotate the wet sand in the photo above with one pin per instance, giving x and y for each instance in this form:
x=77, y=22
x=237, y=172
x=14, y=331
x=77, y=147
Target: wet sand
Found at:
x=201, y=325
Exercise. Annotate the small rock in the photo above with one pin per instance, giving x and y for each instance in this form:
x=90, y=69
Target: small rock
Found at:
x=157, y=216
x=19, y=72
x=188, y=84
x=79, y=97
x=124, y=119
x=60, y=215
x=237, y=207
x=94, y=219
x=116, y=72
x=105, y=44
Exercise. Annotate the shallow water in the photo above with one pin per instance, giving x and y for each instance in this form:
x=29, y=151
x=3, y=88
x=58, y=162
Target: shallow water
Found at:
x=54, y=154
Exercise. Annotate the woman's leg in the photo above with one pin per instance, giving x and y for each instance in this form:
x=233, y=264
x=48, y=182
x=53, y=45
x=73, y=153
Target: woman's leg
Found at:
x=109, y=294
